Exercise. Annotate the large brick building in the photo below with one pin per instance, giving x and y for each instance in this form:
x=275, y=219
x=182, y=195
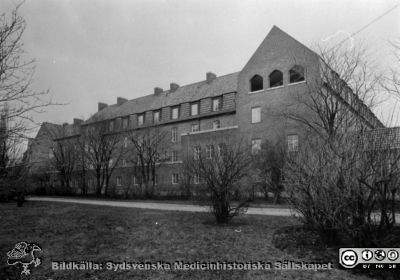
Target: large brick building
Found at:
x=241, y=105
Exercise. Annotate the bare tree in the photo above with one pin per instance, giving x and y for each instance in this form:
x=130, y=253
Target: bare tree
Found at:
x=221, y=167
x=148, y=154
x=341, y=96
x=342, y=172
x=103, y=151
x=18, y=101
x=16, y=74
x=64, y=159
x=268, y=163
x=345, y=187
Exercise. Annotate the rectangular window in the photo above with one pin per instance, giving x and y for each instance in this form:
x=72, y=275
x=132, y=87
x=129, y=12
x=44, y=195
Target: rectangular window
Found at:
x=210, y=151
x=196, y=154
x=175, y=113
x=293, y=143
x=51, y=155
x=156, y=116
x=195, y=127
x=174, y=156
x=216, y=124
x=110, y=163
x=174, y=137
x=220, y=148
x=111, y=125
x=216, y=104
x=135, y=181
x=126, y=142
x=125, y=123
x=140, y=119
x=255, y=146
x=123, y=163
x=194, y=109
x=155, y=179
x=196, y=179
x=119, y=181
x=175, y=178
x=255, y=115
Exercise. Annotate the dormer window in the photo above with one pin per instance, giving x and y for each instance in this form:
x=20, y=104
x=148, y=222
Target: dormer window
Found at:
x=175, y=113
x=111, y=125
x=194, y=109
x=140, y=119
x=296, y=74
x=256, y=83
x=216, y=104
x=275, y=79
x=156, y=116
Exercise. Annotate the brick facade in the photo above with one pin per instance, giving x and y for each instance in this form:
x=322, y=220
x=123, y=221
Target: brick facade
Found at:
x=278, y=51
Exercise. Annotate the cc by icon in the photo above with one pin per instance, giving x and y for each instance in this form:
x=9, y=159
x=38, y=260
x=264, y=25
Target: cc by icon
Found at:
x=348, y=258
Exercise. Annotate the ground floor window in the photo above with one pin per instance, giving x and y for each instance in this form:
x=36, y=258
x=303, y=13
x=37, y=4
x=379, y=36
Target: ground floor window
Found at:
x=175, y=178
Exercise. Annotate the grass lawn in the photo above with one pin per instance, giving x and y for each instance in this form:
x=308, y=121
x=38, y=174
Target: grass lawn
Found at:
x=79, y=232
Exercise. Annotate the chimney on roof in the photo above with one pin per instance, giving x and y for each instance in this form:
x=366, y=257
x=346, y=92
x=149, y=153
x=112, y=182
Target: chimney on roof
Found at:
x=173, y=87
x=210, y=77
x=121, y=100
x=77, y=121
x=157, y=90
x=101, y=106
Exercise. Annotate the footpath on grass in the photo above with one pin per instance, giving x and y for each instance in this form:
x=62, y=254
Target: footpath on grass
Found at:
x=267, y=211
x=161, y=206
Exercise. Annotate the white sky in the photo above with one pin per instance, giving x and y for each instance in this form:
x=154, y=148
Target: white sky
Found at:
x=88, y=51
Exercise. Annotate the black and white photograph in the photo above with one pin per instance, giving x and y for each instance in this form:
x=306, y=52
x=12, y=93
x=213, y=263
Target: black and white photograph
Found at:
x=199, y=139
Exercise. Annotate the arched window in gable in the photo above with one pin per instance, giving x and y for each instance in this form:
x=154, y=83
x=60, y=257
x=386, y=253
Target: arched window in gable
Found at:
x=275, y=79
x=256, y=83
x=296, y=74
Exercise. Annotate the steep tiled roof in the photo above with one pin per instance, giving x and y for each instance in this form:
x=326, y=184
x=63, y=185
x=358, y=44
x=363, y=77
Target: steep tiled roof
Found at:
x=52, y=128
x=188, y=93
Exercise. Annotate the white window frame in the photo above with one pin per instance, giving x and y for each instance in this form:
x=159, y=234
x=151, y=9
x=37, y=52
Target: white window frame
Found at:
x=174, y=156
x=196, y=154
x=158, y=114
x=195, y=127
x=51, y=154
x=125, y=142
x=255, y=146
x=196, y=179
x=196, y=107
x=216, y=124
x=119, y=181
x=175, y=178
x=175, y=113
x=135, y=181
x=111, y=125
x=124, y=163
x=174, y=134
x=125, y=122
x=209, y=151
x=140, y=119
x=293, y=142
x=216, y=104
x=256, y=115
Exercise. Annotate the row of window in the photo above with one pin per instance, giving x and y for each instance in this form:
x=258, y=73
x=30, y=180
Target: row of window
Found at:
x=292, y=144
x=174, y=180
x=216, y=105
x=275, y=79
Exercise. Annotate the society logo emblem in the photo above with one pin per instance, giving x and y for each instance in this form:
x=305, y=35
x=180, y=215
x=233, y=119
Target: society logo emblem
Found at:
x=380, y=255
x=24, y=253
x=366, y=255
x=348, y=258
x=393, y=255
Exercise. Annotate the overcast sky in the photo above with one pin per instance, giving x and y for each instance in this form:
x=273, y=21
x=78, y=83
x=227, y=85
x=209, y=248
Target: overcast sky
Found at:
x=88, y=51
